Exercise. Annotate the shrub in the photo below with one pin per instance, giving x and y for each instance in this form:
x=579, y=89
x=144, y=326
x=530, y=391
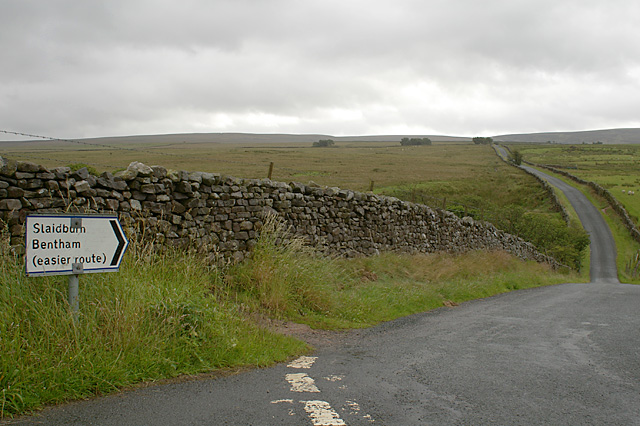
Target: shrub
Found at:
x=547, y=232
x=323, y=143
x=77, y=166
x=284, y=274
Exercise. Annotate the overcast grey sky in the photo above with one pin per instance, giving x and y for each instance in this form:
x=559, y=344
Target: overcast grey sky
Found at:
x=81, y=68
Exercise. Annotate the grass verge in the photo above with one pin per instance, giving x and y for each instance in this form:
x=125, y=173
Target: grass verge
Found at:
x=345, y=293
x=167, y=314
x=154, y=319
x=574, y=223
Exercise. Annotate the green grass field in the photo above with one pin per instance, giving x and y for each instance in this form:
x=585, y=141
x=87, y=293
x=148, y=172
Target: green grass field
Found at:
x=458, y=175
x=465, y=178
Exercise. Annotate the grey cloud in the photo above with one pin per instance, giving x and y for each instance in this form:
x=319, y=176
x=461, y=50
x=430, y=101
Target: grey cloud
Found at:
x=452, y=67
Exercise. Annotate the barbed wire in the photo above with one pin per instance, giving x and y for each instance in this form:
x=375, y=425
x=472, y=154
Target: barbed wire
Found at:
x=53, y=139
x=29, y=157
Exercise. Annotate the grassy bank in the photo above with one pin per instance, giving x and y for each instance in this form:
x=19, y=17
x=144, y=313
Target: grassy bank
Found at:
x=626, y=247
x=343, y=293
x=154, y=319
x=167, y=314
x=615, y=167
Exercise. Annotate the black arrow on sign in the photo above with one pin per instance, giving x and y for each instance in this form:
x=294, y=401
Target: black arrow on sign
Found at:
x=121, y=242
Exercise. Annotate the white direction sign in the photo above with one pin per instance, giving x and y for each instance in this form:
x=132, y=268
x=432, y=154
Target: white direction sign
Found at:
x=60, y=244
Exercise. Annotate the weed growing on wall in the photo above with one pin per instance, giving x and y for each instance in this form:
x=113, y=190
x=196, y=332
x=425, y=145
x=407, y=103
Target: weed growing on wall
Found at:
x=533, y=222
x=547, y=232
x=284, y=275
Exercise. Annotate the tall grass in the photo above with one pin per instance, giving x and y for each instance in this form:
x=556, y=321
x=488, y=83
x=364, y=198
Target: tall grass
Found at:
x=156, y=318
x=284, y=276
x=285, y=279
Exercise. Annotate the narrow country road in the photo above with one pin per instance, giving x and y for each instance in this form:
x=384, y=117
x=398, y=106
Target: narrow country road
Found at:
x=603, y=247
x=566, y=354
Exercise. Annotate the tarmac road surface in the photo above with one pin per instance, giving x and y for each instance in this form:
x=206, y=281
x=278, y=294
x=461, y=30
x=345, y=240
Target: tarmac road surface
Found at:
x=566, y=354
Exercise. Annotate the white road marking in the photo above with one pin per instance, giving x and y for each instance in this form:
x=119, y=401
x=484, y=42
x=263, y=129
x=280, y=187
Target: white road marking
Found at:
x=322, y=414
x=355, y=407
x=303, y=362
x=300, y=382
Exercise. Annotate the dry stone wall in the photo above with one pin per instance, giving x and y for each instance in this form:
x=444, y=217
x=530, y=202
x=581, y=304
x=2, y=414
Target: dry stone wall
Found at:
x=181, y=208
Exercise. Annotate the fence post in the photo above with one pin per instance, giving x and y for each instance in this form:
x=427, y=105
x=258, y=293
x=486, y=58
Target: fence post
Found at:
x=270, y=170
x=370, y=186
x=444, y=203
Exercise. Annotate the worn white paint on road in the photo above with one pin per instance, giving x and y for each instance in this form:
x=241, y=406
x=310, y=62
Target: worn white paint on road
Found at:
x=279, y=401
x=301, y=382
x=322, y=414
x=303, y=362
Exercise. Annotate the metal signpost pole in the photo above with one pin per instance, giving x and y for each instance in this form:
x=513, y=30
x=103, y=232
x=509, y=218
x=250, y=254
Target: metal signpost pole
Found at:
x=74, y=281
x=74, y=289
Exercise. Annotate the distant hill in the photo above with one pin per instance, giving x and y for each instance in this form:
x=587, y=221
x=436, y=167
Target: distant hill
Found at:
x=241, y=138
x=261, y=138
x=610, y=136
